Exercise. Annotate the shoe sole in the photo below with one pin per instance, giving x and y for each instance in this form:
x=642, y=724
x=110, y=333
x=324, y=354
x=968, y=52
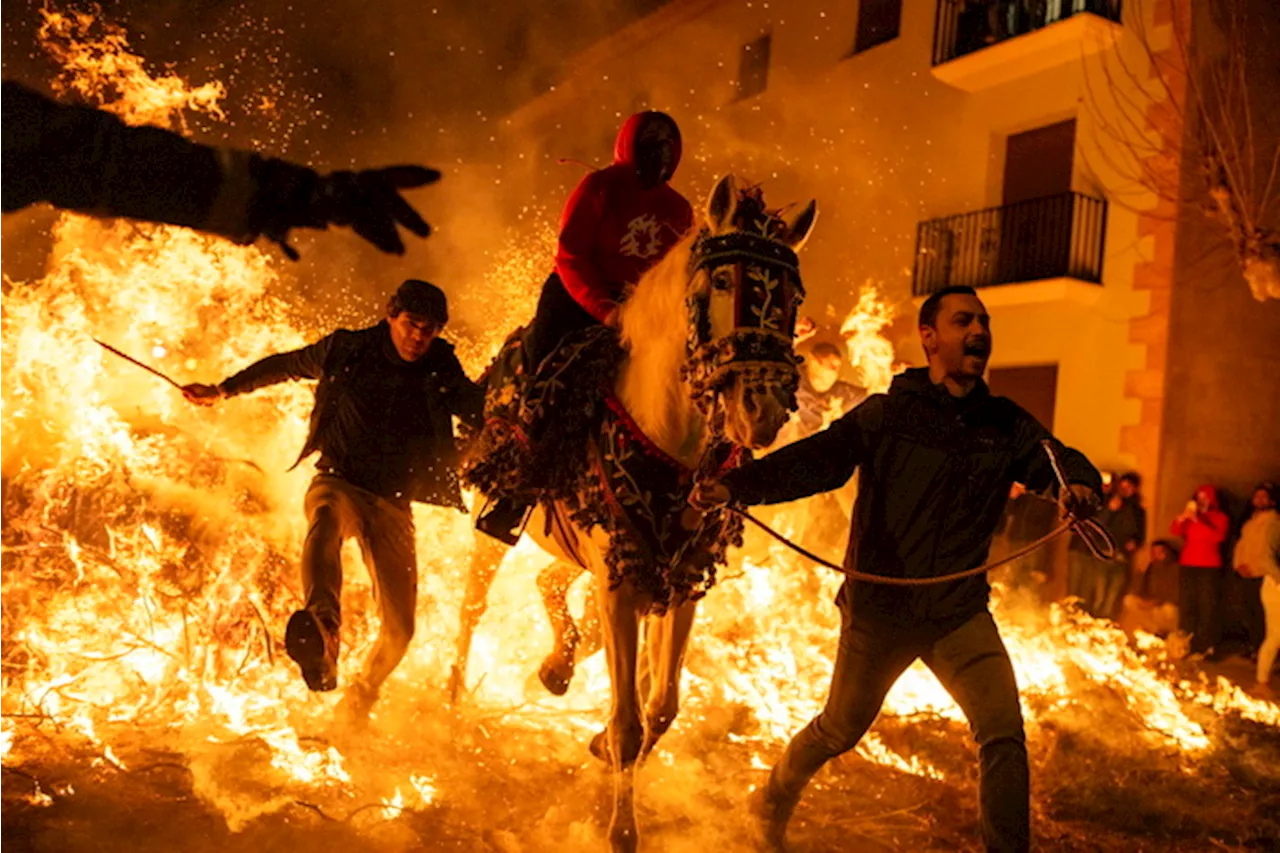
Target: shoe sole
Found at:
x=304, y=642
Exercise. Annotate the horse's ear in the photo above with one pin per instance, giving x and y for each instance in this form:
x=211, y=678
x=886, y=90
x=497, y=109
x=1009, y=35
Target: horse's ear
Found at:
x=800, y=226
x=722, y=202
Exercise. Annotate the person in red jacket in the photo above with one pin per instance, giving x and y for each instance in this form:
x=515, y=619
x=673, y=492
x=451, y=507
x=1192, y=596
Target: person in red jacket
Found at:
x=619, y=222
x=1203, y=528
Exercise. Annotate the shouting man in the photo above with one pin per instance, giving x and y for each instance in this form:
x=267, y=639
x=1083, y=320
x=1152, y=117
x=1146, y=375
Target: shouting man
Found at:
x=938, y=455
x=382, y=423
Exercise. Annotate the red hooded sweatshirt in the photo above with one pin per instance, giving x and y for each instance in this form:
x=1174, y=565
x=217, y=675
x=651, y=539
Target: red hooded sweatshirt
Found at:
x=1203, y=534
x=613, y=229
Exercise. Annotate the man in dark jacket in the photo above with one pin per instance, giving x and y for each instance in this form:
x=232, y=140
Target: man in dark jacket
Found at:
x=382, y=423
x=88, y=160
x=937, y=456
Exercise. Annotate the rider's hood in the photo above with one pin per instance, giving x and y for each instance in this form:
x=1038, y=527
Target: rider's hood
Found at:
x=624, y=147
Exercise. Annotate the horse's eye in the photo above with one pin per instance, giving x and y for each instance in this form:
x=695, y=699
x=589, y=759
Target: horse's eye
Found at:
x=722, y=280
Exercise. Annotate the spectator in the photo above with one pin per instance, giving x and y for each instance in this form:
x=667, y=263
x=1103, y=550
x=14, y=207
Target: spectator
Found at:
x=1203, y=528
x=823, y=396
x=1152, y=607
x=1126, y=521
x=1083, y=570
x=1256, y=556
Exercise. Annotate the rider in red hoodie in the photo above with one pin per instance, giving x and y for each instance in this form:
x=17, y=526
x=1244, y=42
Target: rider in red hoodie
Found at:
x=619, y=222
x=1203, y=528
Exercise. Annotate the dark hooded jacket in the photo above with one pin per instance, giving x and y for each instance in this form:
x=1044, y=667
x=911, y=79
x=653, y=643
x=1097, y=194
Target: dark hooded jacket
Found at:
x=614, y=229
x=935, y=473
x=379, y=422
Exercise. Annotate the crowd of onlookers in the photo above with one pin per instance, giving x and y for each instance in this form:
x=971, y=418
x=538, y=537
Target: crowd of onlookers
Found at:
x=1212, y=584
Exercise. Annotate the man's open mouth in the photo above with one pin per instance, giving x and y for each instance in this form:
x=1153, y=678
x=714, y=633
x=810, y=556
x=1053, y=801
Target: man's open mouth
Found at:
x=977, y=349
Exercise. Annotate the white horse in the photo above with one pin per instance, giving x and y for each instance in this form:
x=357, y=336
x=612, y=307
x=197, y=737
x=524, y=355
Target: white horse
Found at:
x=708, y=366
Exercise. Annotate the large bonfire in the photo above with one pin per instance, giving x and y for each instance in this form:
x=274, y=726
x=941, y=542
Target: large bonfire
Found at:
x=149, y=553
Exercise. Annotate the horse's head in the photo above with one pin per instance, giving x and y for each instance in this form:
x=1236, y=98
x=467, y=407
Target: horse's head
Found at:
x=742, y=300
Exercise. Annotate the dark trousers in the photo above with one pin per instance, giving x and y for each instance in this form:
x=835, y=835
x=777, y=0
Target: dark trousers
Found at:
x=1199, y=600
x=1242, y=610
x=558, y=314
x=972, y=664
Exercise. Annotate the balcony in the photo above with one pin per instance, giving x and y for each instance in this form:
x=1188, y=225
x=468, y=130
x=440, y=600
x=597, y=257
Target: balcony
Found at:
x=1056, y=240
x=977, y=45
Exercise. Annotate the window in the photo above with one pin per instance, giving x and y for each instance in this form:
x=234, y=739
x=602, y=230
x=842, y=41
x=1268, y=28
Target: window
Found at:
x=1037, y=162
x=753, y=67
x=877, y=23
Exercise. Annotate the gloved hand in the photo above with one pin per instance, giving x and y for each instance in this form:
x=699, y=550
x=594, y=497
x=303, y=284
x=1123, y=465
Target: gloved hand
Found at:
x=369, y=202
x=1079, y=501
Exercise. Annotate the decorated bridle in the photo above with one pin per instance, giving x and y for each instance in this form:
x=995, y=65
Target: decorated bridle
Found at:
x=764, y=276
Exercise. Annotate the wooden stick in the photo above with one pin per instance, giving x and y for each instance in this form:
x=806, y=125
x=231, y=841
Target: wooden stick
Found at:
x=133, y=360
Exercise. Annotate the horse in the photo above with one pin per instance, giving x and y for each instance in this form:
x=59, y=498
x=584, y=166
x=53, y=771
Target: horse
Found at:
x=707, y=373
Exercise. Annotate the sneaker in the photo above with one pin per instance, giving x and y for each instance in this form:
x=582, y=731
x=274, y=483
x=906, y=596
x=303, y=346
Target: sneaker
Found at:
x=313, y=645
x=505, y=520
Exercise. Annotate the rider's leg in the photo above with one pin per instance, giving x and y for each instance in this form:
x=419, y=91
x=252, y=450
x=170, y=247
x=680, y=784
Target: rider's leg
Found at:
x=558, y=315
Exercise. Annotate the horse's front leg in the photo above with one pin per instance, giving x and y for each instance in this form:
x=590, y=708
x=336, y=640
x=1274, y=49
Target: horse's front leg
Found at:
x=620, y=614
x=553, y=583
x=666, y=640
x=486, y=558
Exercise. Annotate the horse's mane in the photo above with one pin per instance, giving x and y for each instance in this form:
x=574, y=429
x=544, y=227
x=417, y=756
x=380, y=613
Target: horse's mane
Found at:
x=654, y=323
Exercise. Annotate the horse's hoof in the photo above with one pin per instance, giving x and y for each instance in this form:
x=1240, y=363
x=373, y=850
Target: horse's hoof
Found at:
x=554, y=679
x=600, y=746
x=624, y=840
x=600, y=749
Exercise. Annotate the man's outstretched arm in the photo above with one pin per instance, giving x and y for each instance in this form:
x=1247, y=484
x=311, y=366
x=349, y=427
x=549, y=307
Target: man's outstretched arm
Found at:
x=88, y=160
x=820, y=463
x=305, y=363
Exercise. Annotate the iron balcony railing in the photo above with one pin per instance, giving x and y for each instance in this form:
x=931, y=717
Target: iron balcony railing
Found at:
x=965, y=26
x=1051, y=237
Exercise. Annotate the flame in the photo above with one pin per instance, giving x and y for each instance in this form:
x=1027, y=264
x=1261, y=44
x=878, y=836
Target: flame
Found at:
x=870, y=353
x=393, y=806
x=150, y=547
x=98, y=66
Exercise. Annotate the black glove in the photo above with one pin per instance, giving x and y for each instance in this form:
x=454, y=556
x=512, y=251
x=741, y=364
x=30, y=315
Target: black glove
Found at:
x=291, y=196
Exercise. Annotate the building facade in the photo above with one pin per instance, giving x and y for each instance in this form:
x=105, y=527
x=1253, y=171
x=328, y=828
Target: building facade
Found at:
x=1019, y=146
